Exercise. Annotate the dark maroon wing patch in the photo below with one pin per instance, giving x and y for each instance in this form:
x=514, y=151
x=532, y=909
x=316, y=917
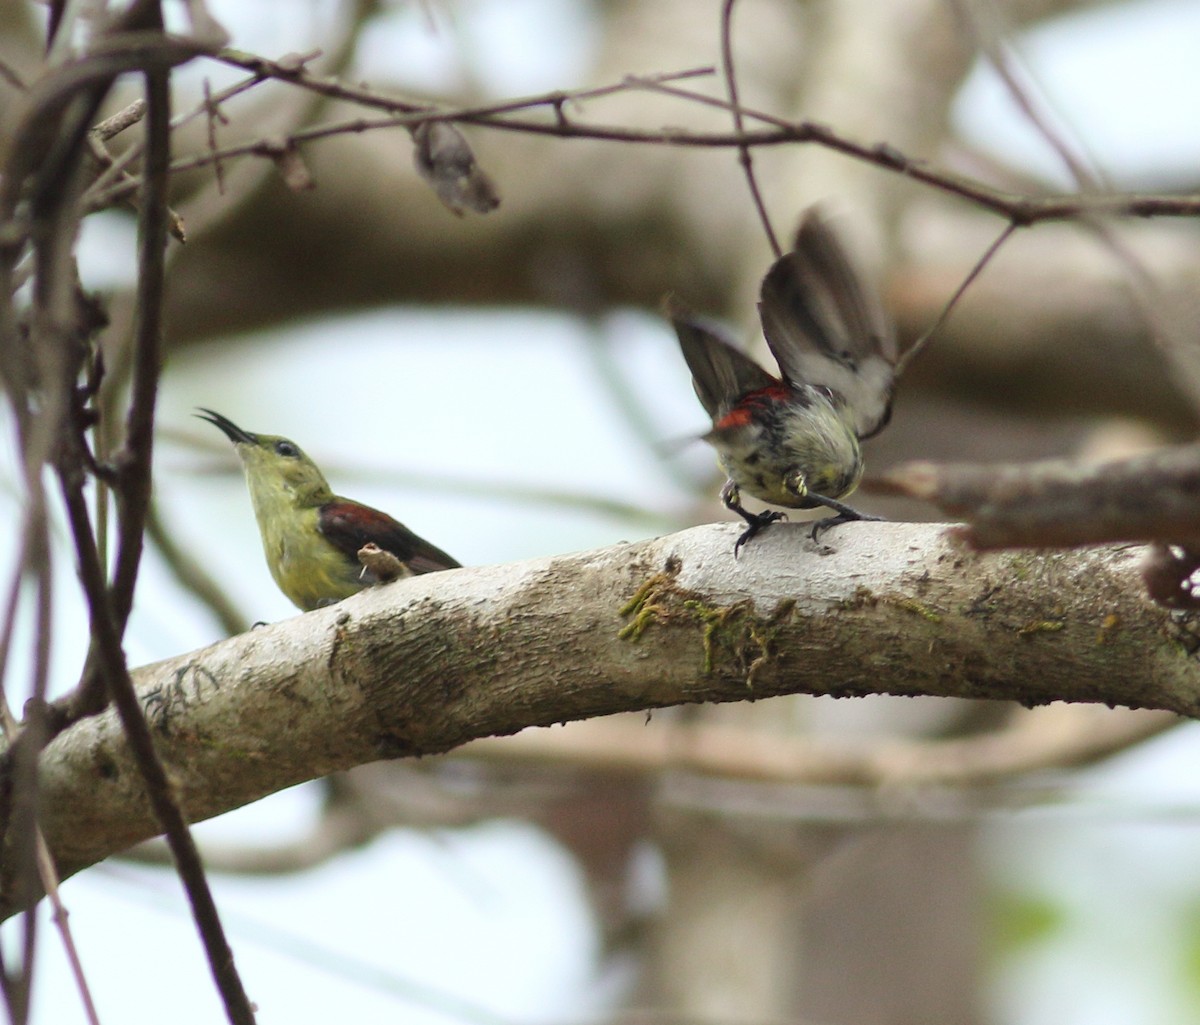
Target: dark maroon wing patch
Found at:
x=349, y=526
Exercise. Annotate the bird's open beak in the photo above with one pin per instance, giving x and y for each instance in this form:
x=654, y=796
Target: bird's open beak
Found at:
x=232, y=431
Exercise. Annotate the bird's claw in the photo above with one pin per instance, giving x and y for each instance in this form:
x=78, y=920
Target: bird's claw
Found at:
x=846, y=515
x=755, y=522
x=731, y=497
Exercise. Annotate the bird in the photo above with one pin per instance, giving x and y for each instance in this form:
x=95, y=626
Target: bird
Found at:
x=793, y=440
x=312, y=537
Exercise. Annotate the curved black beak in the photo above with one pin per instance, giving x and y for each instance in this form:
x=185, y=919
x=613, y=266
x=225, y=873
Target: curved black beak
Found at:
x=232, y=431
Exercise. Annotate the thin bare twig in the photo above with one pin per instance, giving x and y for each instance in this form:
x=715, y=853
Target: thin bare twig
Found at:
x=21, y=793
x=111, y=127
x=744, y=157
x=1021, y=210
x=295, y=73
x=108, y=610
x=46, y=868
x=133, y=461
x=403, y=115
x=983, y=24
x=111, y=667
x=61, y=920
x=133, y=499
x=124, y=118
x=911, y=353
x=1178, y=347
x=48, y=355
x=116, y=171
x=214, y=115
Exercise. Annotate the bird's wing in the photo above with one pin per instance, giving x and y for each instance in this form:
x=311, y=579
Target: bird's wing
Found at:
x=350, y=525
x=721, y=373
x=825, y=327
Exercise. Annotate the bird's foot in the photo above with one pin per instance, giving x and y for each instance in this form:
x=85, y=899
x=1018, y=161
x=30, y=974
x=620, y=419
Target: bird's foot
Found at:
x=845, y=514
x=754, y=521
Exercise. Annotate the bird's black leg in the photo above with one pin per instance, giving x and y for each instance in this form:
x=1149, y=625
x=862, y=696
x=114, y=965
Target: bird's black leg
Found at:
x=844, y=514
x=755, y=521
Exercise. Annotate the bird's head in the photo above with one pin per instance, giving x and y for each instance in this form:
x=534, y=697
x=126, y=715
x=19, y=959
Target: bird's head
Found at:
x=277, y=471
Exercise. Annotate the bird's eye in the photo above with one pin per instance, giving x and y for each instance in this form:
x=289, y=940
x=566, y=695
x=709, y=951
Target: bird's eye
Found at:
x=286, y=449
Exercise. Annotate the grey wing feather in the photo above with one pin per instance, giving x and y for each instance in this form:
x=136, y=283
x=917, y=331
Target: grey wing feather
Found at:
x=825, y=327
x=721, y=373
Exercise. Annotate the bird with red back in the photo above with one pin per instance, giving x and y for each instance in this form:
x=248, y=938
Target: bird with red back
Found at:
x=793, y=440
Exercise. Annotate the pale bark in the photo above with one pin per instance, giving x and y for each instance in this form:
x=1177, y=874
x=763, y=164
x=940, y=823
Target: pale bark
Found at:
x=424, y=665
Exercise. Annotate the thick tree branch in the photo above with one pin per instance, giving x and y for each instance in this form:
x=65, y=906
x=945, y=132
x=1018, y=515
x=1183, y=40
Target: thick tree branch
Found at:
x=1149, y=497
x=426, y=664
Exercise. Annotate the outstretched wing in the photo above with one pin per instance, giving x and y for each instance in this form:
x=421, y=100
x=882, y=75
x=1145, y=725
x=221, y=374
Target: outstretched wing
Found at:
x=721, y=373
x=826, y=327
x=350, y=525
